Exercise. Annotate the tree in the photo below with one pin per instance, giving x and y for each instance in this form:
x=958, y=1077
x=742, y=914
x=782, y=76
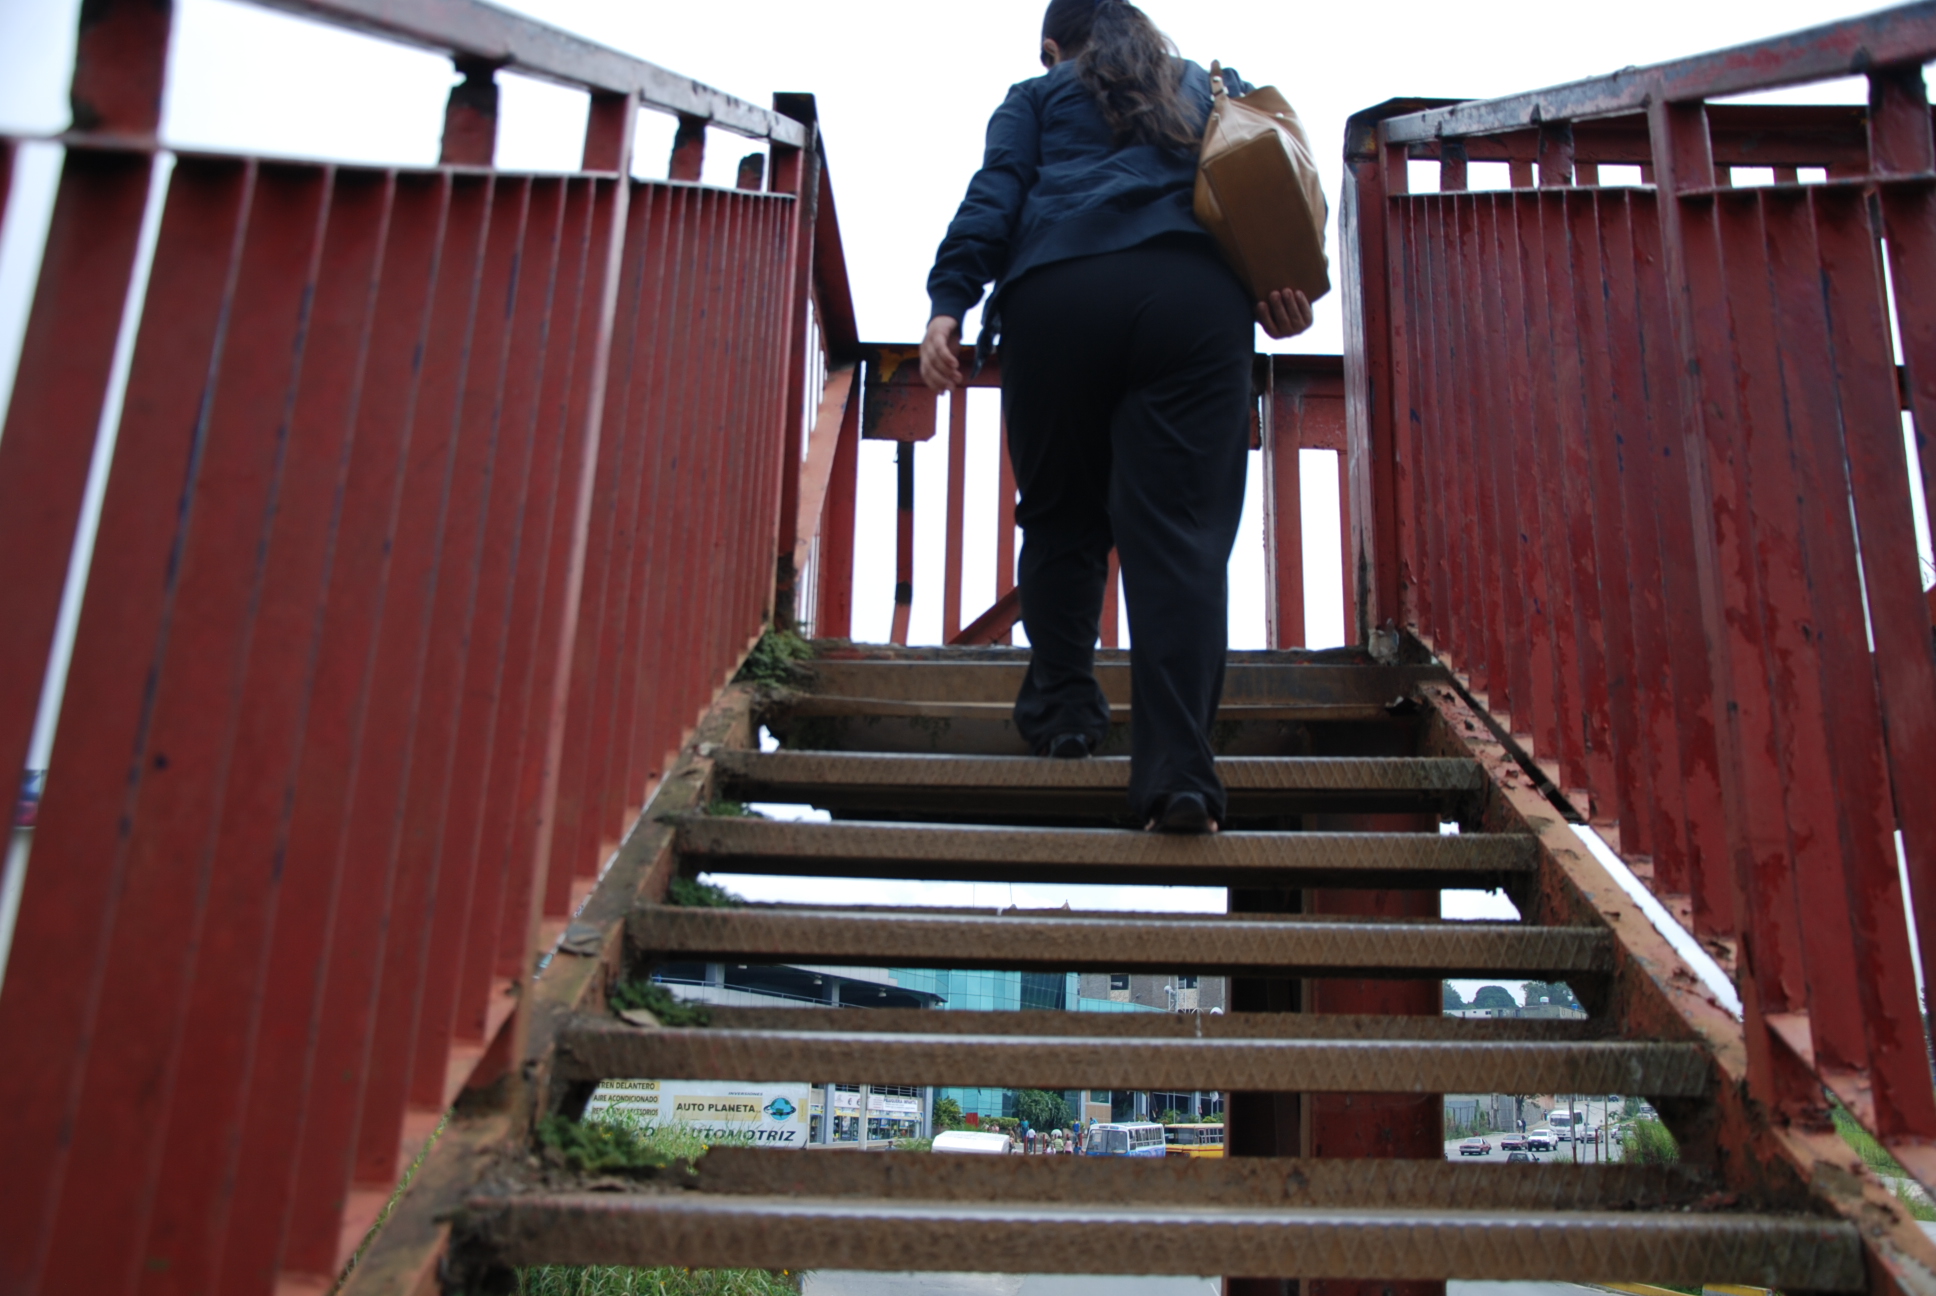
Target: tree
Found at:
x=1453, y=1000
x=1494, y=997
x=1171, y=1116
x=1043, y=1110
x=1550, y=992
x=947, y=1115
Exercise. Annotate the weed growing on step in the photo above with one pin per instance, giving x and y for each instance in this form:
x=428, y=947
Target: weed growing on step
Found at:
x=694, y=894
x=1873, y=1154
x=1649, y=1142
x=659, y=1001
x=775, y=661
x=601, y=1146
x=559, y=1280
x=732, y=810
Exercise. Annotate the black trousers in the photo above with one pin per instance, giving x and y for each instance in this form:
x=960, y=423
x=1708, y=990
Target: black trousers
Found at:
x=1126, y=386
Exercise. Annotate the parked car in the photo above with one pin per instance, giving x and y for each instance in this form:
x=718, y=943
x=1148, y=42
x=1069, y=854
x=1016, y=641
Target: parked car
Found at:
x=1513, y=1143
x=1521, y=1156
x=1475, y=1147
x=1542, y=1140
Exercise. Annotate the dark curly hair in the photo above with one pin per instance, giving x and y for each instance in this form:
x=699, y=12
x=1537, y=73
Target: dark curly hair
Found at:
x=1129, y=66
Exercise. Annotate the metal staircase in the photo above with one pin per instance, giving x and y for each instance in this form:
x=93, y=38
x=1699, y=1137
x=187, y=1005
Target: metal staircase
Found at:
x=912, y=752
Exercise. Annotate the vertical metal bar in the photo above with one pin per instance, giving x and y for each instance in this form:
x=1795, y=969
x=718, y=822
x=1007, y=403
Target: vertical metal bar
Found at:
x=1520, y=173
x=1649, y=748
x=120, y=69
x=834, y=605
x=310, y=554
x=610, y=203
x=1709, y=854
x=1771, y=976
x=1601, y=448
x=186, y=669
x=1555, y=154
x=69, y=909
x=688, y=150
x=1005, y=527
x=1473, y=638
x=529, y=878
x=483, y=998
x=497, y=397
x=1452, y=166
x=1548, y=503
x=470, y=116
x=1815, y=352
x=1512, y=430
x=1111, y=603
x=672, y=464
x=1562, y=318
x=233, y=682
x=1498, y=379
x=1795, y=620
x=1538, y=708
x=1465, y=636
x=1440, y=425
x=957, y=484
x=59, y=388
x=1426, y=418
x=1283, y=511
x=903, y=541
x=796, y=172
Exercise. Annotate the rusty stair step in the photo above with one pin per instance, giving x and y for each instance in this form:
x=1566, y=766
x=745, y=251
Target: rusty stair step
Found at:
x=1148, y=1025
x=913, y=783
x=1209, y=1181
x=1214, y=944
x=1249, y=679
x=956, y=852
x=605, y=1048
x=703, y=1230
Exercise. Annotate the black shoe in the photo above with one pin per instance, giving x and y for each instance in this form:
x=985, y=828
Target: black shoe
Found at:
x=1184, y=812
x=1067, y=746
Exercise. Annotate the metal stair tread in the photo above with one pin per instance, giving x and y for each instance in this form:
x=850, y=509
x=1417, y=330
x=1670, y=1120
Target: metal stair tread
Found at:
x=705, y=1230
x=602, y=1048
x=1212, y=943
x=973, y=852
x=1047, y=1022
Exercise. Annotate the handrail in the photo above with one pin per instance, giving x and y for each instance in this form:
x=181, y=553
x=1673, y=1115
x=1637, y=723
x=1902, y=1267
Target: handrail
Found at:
x=470, y=30
x=1906, y=34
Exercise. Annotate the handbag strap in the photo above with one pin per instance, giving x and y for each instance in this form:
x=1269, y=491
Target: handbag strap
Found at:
x=1216, y=79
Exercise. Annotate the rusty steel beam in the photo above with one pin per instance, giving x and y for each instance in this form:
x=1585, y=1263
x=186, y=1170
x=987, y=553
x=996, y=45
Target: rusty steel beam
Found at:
x=1230, y=1025
x=1285, y=1182
x=1211, y=943
x=965, y=853
x=700, y=1230
x=1905, y=34
x=487, y=34
x=605, y=1048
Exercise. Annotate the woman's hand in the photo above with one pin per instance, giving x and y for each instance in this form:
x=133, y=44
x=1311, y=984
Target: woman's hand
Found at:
x=1285, y=313
x=940, y=366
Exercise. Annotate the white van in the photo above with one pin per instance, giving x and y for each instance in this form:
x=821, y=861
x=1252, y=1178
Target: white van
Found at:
x=973, y=1141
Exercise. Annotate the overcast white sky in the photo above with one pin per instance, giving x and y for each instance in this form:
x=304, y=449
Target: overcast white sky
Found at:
x=904, y=88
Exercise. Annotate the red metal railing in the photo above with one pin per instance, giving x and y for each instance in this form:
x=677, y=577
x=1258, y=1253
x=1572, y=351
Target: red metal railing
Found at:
x=442, y=503
x=1634, y=461
x=1300, y=406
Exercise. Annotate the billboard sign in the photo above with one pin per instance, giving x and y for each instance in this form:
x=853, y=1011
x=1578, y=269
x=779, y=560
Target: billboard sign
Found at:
x=719, y=1111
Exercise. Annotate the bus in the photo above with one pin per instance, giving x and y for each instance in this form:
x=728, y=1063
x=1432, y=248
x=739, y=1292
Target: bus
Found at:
x=1124, y=1138
x=1196, y=1140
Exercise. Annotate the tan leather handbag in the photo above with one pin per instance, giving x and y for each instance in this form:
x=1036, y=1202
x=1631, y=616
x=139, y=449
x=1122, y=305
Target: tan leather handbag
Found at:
x=1258, y=192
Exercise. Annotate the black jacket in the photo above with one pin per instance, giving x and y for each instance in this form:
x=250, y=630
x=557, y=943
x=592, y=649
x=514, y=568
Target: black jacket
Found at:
x=1054, y=186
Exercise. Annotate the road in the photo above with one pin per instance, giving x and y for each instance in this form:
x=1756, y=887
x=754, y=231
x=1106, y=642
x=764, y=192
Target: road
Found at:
x=1564, y=1154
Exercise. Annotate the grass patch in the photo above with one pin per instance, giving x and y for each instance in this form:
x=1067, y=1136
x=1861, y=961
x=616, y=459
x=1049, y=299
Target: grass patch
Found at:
x=694, y=894
x=914, y=1145
x=1914, y=1202
x=732, y=810
x=1649, y=1142
x=775, y=660
x=559, y=1280
x=660, y=1002
x=601, y=1146
x=620, y=1135
x=1873, y=1154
